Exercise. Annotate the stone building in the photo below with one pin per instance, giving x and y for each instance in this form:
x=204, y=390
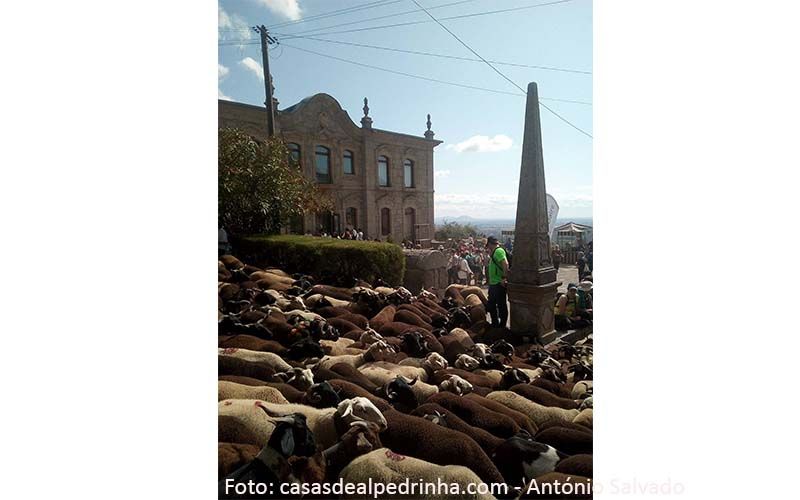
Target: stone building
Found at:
x=380, y=181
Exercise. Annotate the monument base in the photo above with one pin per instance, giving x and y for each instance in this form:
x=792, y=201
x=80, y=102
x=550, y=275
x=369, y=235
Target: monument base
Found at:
x=532, y=309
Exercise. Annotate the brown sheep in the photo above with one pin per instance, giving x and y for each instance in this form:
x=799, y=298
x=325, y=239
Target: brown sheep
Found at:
x=472, y=412
x=231, y=262
x=229, y=365
x=566, y=440
x=290, y=393
x=485, y=439
x=332, y=312
x=395, y=328
x=420, y=438
x=416, y=310
x=434, y=306
x=352, y=375
x=344, y=326
x=231, y=456
x=560, y=390
x=544, y=397
x=386, y=315
x=251, y=343
x=580, y=465
x=270, y=278
x=406, y=316
x=332, y=291
x=521, y=419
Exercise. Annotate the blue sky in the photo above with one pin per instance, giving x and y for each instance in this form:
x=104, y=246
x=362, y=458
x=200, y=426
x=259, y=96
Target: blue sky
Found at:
x=477, y=167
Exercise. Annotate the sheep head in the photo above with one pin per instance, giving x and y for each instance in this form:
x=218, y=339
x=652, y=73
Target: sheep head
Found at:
x=370, y=336
x=301, y=378
x=504, y=348
x=398, y=392
x=292, y=436
x=437, y=418
x=480, y=350
x=512, y=377
x=360, y=409
x=467, y=362
x=321, y=395
x=379, y=351
x=434, y=362
x=587, y=403
x=414, y=344
x=456, y=385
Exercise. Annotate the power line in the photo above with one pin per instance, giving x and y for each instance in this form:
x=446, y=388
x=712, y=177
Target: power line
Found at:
x=509, y=80
x=463, y=16
x=355, y=8
x=446, y=56
x=402, y=73
x=380, y=17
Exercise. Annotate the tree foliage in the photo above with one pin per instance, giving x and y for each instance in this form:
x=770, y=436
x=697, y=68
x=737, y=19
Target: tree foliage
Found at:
x=455, y=230
x=259, y=191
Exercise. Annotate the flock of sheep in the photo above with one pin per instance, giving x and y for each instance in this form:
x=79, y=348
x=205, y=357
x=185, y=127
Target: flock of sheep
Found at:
x=322, y=384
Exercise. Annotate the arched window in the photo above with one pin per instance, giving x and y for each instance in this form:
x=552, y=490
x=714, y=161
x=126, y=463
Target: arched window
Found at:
x=408, y=174
x=294, y=152
x=383, y=171
x=323, y=161
x=347, y=162
x=386, y=221
x=350, y=217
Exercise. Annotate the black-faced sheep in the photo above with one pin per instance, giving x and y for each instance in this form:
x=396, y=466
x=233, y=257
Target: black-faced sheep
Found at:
x=321, y=395
x=521, y=459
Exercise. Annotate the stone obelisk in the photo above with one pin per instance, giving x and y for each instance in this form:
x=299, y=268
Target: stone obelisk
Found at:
x=532, y=282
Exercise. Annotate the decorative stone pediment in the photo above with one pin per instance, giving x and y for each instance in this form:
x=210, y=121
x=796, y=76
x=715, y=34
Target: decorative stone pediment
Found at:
x=321, y=116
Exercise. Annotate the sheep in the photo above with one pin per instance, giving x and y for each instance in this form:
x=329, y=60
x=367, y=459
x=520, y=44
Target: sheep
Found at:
x=521, y=419
x=352, y=375
x=538, y=414
x=329, y=423
x=565, y=440
x=544, y=397
x=361, y=438
x=456, y=385
x=290, y=393
x=369, y=337
x=472, y=378
x=521, y=459
x=485, y=440
x=466, y=362
x=348, y=390
x=344, y=326
x=299, y=378
x=384, y=466
x=406, y=316
x=243, y=421
x=232, y=390
x=251, y=343
x=337, y=293
x=455, y=343
x=581, y=388
x=472, y=412
x=416, y=310
x=420, y=438
x=231, y=456
x=584, y=418
x=386, y=315
x=381, y=373
x=495, y=376
x=430, y=363
x=229, y=365
x=333, y=312
x=556, y=388
x=393, y=328
x=400, y=394
x=338, y=347
x=376, y=352
x=268, y=359
x=321, y=395
x=580, y=465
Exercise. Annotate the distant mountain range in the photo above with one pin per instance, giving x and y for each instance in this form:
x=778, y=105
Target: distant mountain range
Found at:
x=504, y=223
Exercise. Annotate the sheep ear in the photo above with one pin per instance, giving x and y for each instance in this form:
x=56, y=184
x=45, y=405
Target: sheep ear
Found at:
x=348, y=409
x=362, y=444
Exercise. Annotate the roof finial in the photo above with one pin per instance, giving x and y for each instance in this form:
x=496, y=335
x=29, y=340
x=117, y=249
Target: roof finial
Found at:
x=366, y=121
x=429, y=132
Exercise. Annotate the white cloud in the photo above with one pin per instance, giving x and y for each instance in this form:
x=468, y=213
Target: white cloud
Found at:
x=287, y=8
x=482, y=144
x=441, y=173
x=222, y=71
x=233, y=27
x=223, y=96
x=252, y=65
x=475, y=205
x=574, y=197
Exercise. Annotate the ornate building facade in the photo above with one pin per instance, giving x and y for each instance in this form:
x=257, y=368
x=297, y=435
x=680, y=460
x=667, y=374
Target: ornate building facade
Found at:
x=380, y=181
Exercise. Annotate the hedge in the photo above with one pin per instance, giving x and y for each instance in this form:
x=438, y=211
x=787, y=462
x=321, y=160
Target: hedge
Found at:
x=329, y=260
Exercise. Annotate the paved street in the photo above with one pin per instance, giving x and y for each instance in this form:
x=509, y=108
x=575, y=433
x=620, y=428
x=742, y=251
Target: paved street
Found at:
x=567, y=274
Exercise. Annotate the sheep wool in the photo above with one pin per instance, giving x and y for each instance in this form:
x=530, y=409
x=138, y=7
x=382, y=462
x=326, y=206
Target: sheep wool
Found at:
x=537, y=413
x=385, y=466
x=584, y=418
x=268, y=359
x=232, y=390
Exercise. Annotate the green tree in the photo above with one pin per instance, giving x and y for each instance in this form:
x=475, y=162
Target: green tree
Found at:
x=258, y=190
x=455, y=230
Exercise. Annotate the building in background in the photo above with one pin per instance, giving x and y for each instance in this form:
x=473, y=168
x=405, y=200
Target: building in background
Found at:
x=380, y=181
x=572, y=235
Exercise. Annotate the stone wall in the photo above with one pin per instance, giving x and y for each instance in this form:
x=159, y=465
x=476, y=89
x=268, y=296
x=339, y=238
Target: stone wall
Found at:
x=425, y=269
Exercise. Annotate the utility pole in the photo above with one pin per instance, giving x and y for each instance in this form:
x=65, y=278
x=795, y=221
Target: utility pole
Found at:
x=266, y=40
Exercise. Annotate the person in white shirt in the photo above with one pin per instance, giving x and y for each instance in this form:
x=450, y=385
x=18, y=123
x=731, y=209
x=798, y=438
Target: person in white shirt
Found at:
x=464, y=272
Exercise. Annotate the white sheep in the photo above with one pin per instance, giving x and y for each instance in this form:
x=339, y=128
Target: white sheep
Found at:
x=466, y=362
x=370, y=336
x=382, y=372
x=496, y=376
x=338, y=347
x=383, y=466
x=431, y=363
x=581, y=388
x=232, y=390
x=268, y=359
x=377, y=351
x=539, y=414
x=584, y=417
x=328, y=424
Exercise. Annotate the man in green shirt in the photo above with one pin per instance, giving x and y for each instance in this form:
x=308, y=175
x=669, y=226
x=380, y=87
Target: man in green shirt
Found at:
x=498, y=279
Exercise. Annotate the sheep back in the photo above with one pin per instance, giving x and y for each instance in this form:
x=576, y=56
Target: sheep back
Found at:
x=544, y=397
x=231, y=456
x=539, y=414
x=521, y=419
x=232, y=390
x=485, y=439
x=497, y=423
